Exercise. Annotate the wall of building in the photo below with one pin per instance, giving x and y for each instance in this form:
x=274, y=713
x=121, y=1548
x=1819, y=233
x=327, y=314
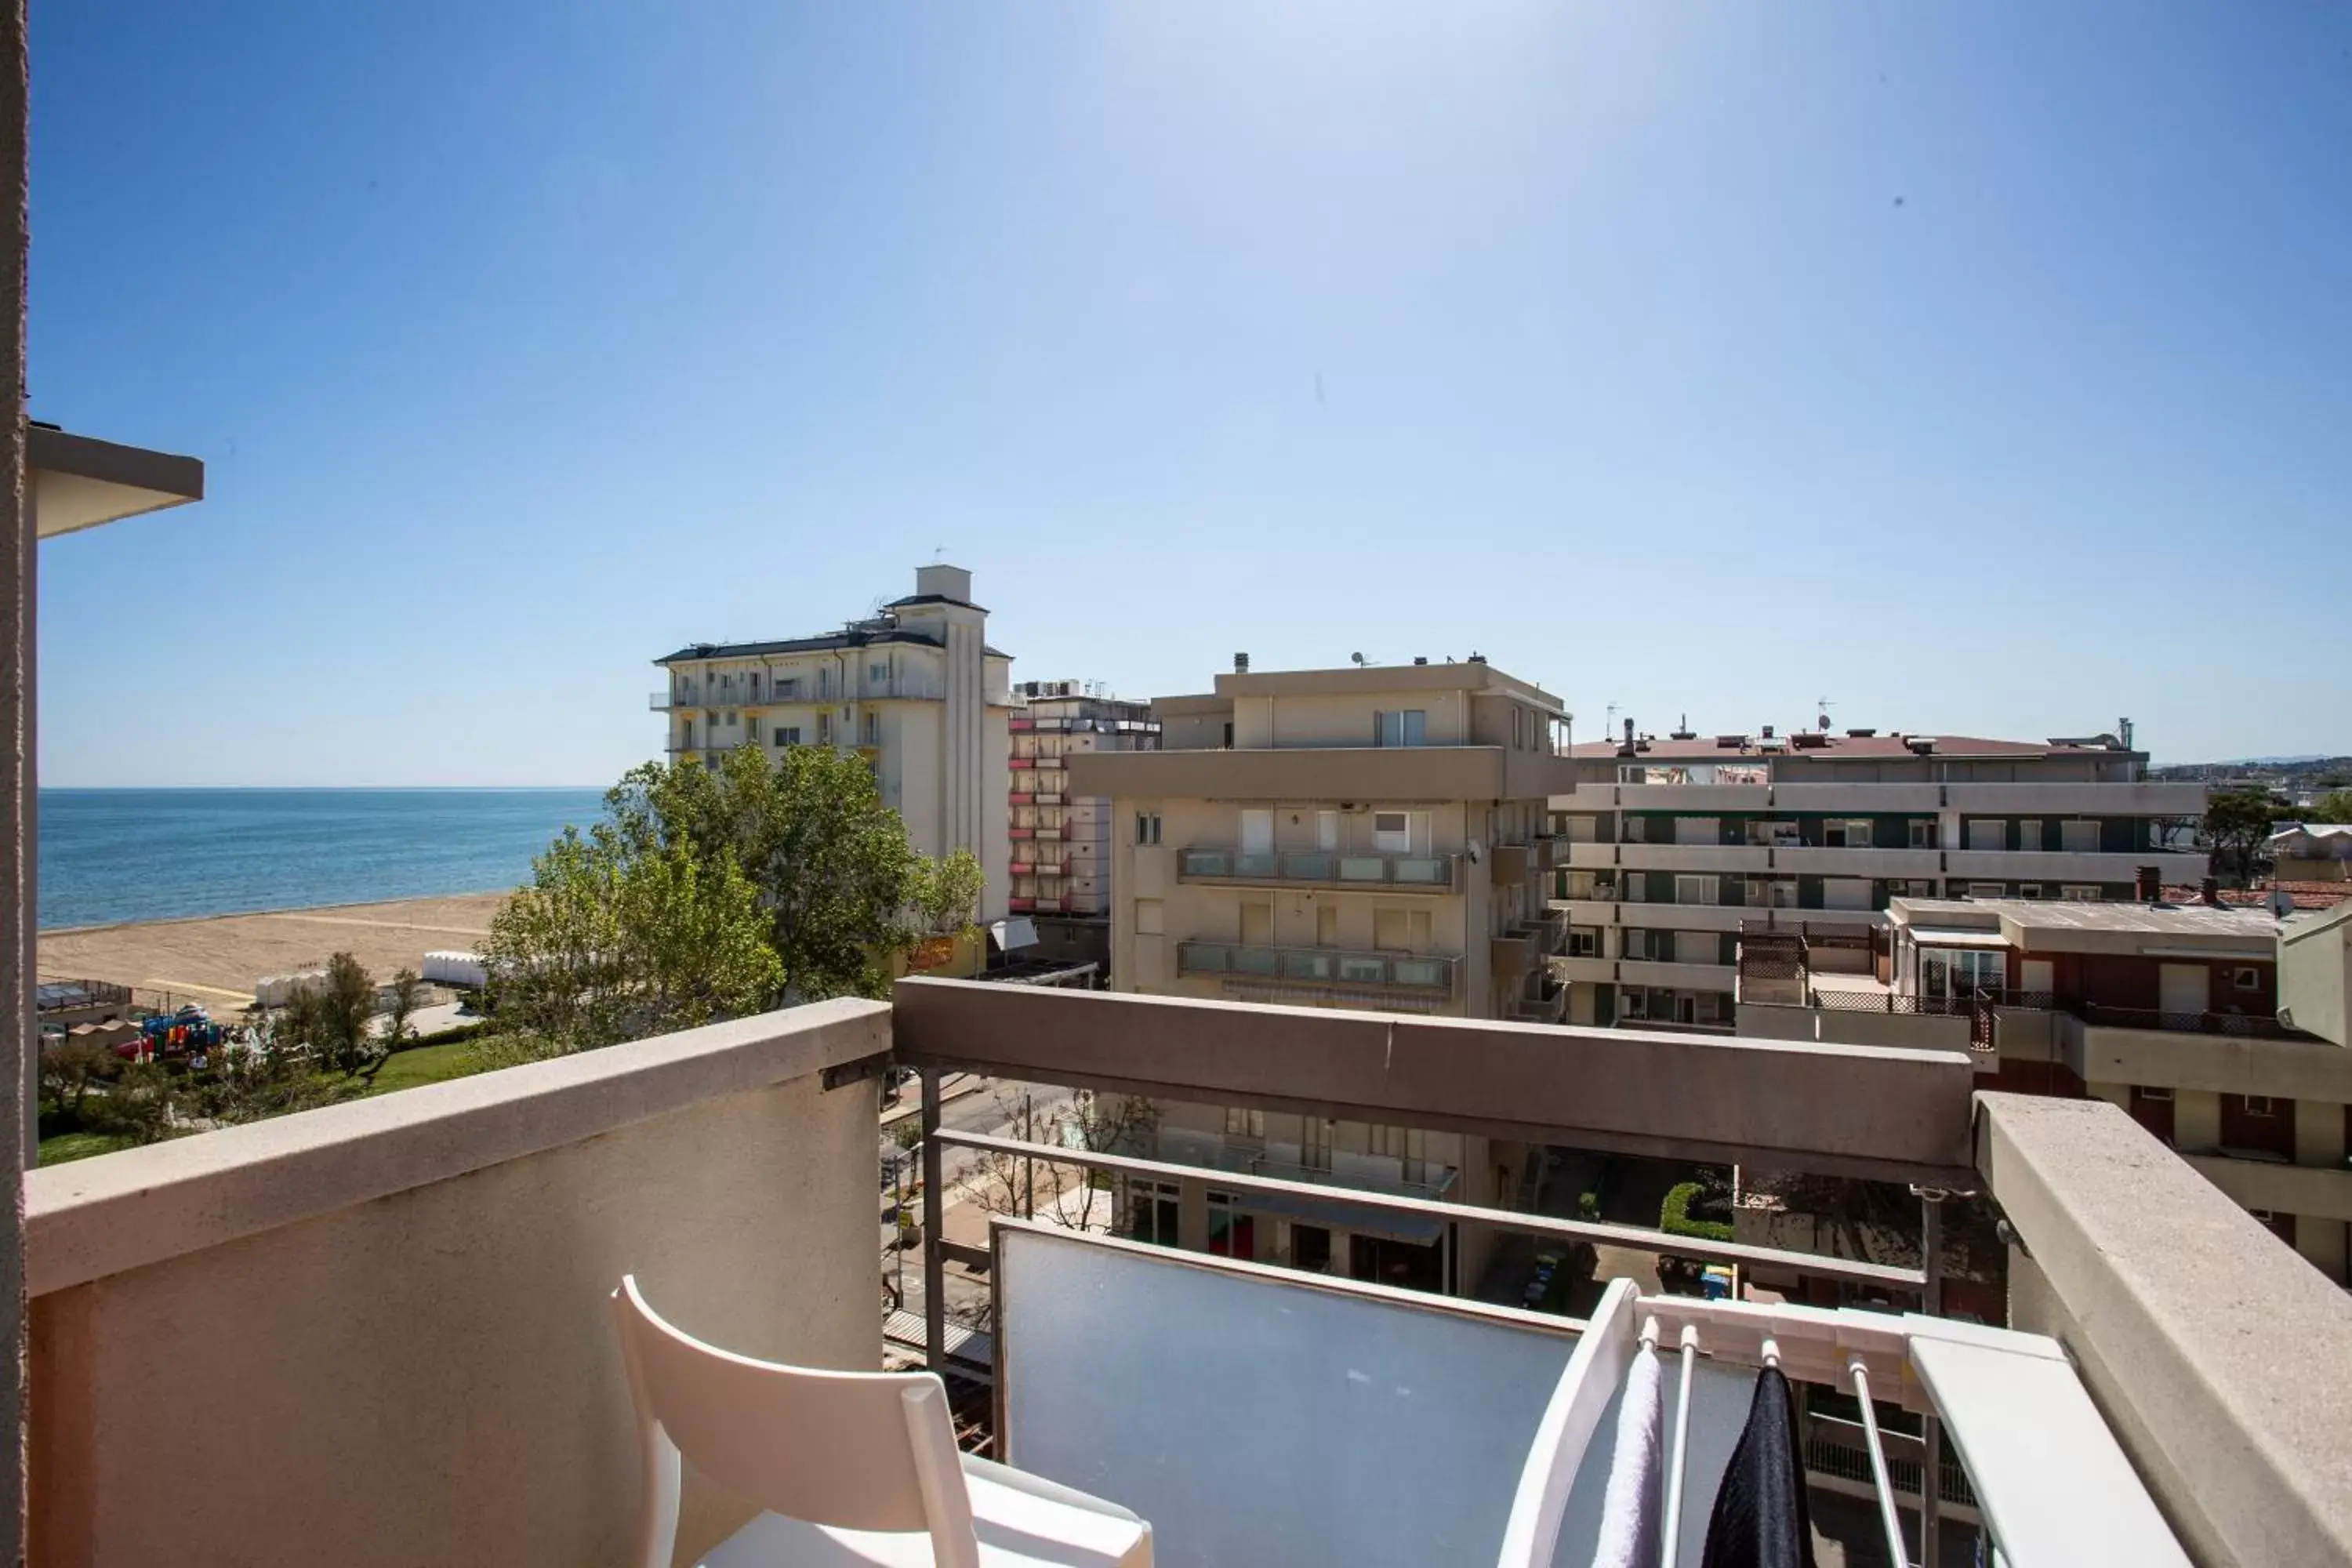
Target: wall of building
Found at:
x=233, y=1364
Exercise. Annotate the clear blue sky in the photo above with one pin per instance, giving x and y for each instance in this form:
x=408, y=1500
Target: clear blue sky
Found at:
x=1984, y=368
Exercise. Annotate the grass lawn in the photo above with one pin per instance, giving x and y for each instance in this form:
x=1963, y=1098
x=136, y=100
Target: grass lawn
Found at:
x=67, y=1146
x=425, y=1064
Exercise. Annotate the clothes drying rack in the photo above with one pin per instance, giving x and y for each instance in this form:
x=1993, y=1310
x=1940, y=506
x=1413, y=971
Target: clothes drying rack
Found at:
x=2052, y=1486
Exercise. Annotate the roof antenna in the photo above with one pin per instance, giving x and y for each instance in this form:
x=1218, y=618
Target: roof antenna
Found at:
x=1824, y=722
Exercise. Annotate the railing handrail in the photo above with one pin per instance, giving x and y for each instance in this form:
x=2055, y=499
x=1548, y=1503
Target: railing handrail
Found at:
x=1286, y=866
x=1280, y=952
x=1640, y=1238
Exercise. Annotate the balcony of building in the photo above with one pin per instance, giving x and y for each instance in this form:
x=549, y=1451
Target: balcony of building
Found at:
x=1543, y=999
x=379, y=1333
x=2084, y=866
x=1338, y=970
x=1318, y=868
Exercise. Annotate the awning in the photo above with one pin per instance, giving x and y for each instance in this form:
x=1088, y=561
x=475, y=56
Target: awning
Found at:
x=1949, y=936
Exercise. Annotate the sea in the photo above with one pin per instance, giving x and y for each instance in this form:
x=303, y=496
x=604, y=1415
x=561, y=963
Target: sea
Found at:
x=114, y=855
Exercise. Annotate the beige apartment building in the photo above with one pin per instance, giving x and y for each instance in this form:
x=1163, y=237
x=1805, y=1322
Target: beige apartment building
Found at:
x=2170, y=1011
x=1373, y=838
x=1679, y=843
x=916, y=690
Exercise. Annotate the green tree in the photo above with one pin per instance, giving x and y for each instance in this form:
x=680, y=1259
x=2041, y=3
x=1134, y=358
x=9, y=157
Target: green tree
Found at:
x=829, y=862
x=2236, y=823
x=614, y=939
x=402, y=997
x=71, y=1071
x=2335, y=805
x=946, y=892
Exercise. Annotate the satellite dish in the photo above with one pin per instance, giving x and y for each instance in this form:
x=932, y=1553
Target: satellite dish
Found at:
x=2282, y=903
x=1358, y=659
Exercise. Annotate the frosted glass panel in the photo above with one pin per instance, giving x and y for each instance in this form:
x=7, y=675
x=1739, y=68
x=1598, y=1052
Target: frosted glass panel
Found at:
x=1253, y=1420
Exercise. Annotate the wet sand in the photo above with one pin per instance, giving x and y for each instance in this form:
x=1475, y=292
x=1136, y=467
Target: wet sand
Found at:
x=216, y=959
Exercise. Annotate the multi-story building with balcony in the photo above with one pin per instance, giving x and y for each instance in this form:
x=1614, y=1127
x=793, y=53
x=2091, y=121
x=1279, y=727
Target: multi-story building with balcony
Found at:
x=1374, y=838
x=1061, y=850
x=1676, y=844
x=2168, y=1011
x=916, y=690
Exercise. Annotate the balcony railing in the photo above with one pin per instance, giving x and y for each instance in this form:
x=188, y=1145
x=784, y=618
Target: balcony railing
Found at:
x=470, y=1234
x=1321, y=867
x=2250, y=1026
x=1318, y=966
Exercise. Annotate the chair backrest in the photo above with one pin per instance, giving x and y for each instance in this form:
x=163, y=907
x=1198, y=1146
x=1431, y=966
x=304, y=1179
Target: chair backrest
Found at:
x=857, y=1450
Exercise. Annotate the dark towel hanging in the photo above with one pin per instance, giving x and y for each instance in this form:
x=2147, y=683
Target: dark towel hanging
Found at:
x=1760, y=1519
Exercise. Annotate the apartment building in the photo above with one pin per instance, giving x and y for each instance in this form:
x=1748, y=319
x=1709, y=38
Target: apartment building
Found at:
x=1677, y=843
x=1061, y=849
x=916, y=690
x=1373, y=838
x=2168, y=1011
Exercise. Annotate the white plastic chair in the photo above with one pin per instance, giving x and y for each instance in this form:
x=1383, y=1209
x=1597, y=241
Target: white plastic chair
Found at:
x=852, y=1466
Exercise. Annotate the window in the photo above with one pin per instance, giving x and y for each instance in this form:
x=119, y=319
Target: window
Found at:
x=752, y=730
x=1583, y=941
x=2080, y=835
x=2259, y=1105
x=1396, y=1142
x=825, y=728
x=2028, y=889
x=1691, y=889
x=1850, y=833
x=1147, y=827
x=1923, y=833
x=1636, y=1004
x=880, y=674
x=2028, y=833
x=1637, y=886
x=1151, y=1212
x=733, y=718
x=2247, y=978
x=1392, y=832
x=1240, y=1123
x=1917, y=887
x=1697, y=947
x=789, y=736
x=1988, y=890
x=873, y=728
x=1314, y=1143
x=1151, y=917
x=2079, y=893
x=1400, y=726
x=1637, y=830
x=1988, y=832
x=788, y=688
x=2162, y=1096
x=1633, y=943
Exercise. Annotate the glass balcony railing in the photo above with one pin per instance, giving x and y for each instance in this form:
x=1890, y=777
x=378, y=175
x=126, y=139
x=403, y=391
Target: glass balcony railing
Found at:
x=1317, y=965
x=1322, y=867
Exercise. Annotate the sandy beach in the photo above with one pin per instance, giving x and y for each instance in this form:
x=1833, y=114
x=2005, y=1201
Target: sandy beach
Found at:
x=216, y=959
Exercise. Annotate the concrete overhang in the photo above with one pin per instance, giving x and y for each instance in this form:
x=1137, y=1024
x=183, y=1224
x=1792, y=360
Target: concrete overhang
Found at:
x=78, y=481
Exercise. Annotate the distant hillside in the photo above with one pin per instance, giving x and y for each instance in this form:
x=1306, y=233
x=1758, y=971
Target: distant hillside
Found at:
x=2293, y=774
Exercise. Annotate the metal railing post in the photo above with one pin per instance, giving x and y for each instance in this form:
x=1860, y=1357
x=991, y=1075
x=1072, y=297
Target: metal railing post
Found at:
x=935, y=1299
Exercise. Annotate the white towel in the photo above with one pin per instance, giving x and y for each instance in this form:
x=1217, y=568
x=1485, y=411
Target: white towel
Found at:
x=1630, y=1525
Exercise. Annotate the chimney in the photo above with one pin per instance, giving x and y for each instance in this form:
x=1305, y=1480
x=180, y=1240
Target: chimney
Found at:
x=2211, y=891
x=2152, y=885
x=1768, y=732
x=1420, y=658
x=1241, y=664
x=947, y=582
x=1627, y=749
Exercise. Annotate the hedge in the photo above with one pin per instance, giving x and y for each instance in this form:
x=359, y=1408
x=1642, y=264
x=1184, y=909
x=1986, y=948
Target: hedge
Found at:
x=1674, y=1215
